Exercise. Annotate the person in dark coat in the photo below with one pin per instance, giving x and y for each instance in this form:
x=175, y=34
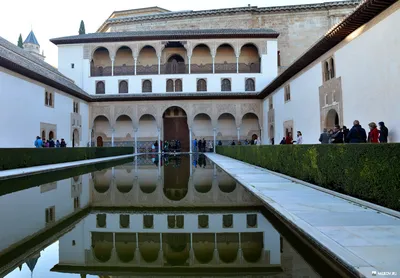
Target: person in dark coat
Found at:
x=51, y=143
x=200, y=145
x=345, y=131
x=324, y=137
x=337, y=136
x=383, y=133
x=219, y=143
x=63, y=144
x=283, y=141
x=357, y=134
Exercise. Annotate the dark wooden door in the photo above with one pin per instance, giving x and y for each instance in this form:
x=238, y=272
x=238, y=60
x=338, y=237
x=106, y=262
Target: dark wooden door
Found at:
x=99, y=141
x=176, y=128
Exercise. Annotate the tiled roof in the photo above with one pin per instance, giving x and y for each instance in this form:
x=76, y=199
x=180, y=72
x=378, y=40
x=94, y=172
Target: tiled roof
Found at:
x=366, y=11
x=18, y=60
x=31, y=38
x=167, y=34
x=252, y=9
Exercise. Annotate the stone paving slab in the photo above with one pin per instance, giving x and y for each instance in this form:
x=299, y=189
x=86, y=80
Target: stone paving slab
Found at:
x=359, y=233
x=15, y=173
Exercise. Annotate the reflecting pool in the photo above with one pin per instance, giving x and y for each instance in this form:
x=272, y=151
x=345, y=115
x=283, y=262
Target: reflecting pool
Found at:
x=156, y=216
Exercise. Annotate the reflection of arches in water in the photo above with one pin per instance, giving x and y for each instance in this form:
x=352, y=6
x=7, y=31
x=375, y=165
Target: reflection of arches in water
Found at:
x=176, y=248
x=149, y=245
x=125, y=245
x=202, y=180
x=176, y=178
x=124, y=188
x=102, y=244
x=203, y=246
x=225, y=183
x=148, y=183
x=228, y=246
x=252, y=246
x=101, y=181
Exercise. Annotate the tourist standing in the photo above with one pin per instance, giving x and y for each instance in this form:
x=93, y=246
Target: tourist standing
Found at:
x=283, y=141
x=38, y=142
x=337, y=136
x=357, y=134
x=373, y=135
x=63, y=144
x=51, y=143
x=324, y=137
x=345, y=131
x=210, y=146
x=299, y=138
x=195, y=145
x=200, y=144
x=233, y=143
x=383, y=133
x=272, y=141
x=289, y=139
x=219, y=143
x=57, y=143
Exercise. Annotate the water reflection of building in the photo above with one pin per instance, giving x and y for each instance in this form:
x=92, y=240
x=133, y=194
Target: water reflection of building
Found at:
x=177, y=181
x=226, y=239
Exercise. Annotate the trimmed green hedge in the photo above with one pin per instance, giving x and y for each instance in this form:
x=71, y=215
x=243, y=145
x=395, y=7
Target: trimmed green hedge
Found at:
x=367, y=171
x=28, y=157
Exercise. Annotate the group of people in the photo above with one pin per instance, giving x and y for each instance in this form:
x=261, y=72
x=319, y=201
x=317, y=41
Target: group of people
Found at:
x=288, y=140
x=203, y=145
x=356, y=134
x=167, y=146
x=43, y=143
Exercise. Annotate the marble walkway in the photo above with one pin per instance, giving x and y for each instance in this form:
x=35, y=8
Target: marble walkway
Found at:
x=364, y=238
x=15, y=173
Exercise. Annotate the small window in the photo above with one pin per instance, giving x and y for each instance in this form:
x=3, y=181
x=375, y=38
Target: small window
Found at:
x=251, y=220
x=225, y=85
x=77, y=203
x=101, y=220
x=271, y=104
x=178, y=85
x=329, y=69
x=46, y=98
x=146, y=86
x=123, y=87
x=100, y=88
x=227, y=221
x=51, y=100
x=287, y=93
x=72, y=65
x=201, y=85
x=250, y=85
x=50, y=215
x=332, y=68
x=124, y=221
x=148, y=222
x=203, y=221
x=175, y=221
x=170, y=85
x=279, y=58
x=76, y=107
x=73, y=243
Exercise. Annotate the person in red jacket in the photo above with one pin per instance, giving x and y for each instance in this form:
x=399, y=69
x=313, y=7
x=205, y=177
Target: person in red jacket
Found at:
x=289, y=138
x=373, y=135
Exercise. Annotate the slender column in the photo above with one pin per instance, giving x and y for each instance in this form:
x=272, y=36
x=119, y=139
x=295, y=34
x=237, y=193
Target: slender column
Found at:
x=135, y=59
x=238, y=134
x=135, y=146
x=159, y=64
x=159, y=140
x=190, y=140
x=112, y=67
x=189, y=60
x=90, y=135
x=213, y=62
x=262, y=136
x=191, y=164
x=159, y=166
x=215, y=139
x=237, y=64
x=112, y=137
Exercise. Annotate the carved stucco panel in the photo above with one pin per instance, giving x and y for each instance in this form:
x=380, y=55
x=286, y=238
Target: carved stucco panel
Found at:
x=102, y=111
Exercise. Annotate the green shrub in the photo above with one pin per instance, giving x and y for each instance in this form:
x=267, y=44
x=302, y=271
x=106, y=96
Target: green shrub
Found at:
x=28, y=157
x=367, y=171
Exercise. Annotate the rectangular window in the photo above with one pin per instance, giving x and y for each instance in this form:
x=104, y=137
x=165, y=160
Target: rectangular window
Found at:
x=287, y=93
x=50, y=215
x=49, y=99
x=75, y=107
x=328, y=69
x=148, y=221
x=279, y=58
x=77, y=203
x=175, y=221
x=271, y=104
x=72, y=65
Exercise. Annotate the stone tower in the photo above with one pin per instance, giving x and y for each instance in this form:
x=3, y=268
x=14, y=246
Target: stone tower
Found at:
x=32, y=46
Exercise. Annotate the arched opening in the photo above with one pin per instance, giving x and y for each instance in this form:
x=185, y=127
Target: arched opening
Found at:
x=100, y=88
x=102, y=129
x=147, y=62
x=332, y=64
x=227, y=128
x=149, y=246
x=102, y=245
x=51, y=135
x=228, y=246
x=226, y=85
x=101, y=181
x=123, y=87
x=201, y=61
x=101, y=62
x=250, y=85
x=225, y=59
x=332, y=119
x=124, y=63
x=178, y=85
x=176, y=128
x=43, y=134
x=147, y=86
x=176, y=179
x=202, y=127
x=201, y=85
x=250, y=126
x=176, y=248
x=125, y=245
x=249, y=59
x=147, y=133
x=225, y=183
x=75, y=138
x=203, y=246
x=170, y=85
x=326, y=73
x=175, y=65
x=252, y=246
x=123, y=129
x=271, y=132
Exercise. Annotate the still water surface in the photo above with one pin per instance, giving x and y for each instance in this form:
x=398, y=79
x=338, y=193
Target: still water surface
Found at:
x=157, y=216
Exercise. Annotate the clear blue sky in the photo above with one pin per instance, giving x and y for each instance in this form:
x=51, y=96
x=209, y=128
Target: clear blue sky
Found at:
x=50, y=19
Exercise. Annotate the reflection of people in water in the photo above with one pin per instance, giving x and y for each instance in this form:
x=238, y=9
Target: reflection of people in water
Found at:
x=202, y=161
